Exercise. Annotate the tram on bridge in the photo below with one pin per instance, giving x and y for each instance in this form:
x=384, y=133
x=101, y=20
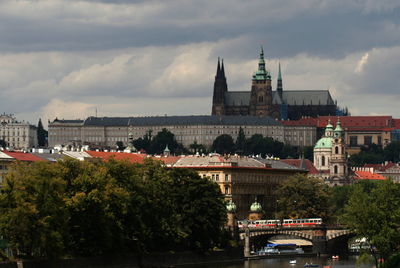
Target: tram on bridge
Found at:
x=285, y=223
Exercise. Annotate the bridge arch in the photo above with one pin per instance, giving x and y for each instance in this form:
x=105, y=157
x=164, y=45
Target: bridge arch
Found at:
x=300, y=234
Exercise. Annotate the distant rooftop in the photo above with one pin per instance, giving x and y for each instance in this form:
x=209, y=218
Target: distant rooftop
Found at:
x=180, y=120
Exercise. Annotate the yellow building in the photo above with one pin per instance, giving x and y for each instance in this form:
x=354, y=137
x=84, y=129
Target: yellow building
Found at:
x=242, y=179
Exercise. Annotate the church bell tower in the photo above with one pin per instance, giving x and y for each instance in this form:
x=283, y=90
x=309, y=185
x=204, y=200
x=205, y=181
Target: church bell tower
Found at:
x=261, y=90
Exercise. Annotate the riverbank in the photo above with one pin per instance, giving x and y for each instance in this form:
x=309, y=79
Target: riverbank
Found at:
x=282, y=255
x=164, y=259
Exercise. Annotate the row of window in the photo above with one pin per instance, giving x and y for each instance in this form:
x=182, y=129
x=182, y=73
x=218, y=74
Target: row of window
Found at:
x=367, y=140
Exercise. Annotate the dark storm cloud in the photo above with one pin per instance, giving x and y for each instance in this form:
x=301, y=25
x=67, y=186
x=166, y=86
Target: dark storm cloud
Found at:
x=117, y=53
x=327, y=32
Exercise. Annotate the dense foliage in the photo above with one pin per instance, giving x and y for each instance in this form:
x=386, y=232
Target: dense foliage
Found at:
x=156, y=144
x=375, y=154
x=85, y=209
x=41, y=134
x=374, y=213
x=370, y=208
x=303, y=197
x=257, y=145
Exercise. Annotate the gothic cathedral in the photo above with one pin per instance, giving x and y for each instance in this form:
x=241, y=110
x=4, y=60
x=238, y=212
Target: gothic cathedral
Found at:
x=262, y=101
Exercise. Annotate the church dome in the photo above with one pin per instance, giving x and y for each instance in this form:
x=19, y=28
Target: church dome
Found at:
x=255, y=207
x=325, y=142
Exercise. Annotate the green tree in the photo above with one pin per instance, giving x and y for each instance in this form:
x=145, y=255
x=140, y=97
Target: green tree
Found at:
x=303, y=197
x=223, y=144
x=372, y=154
x=256, y=145
x=338, y=199
x=289, y=151
x=392, y=152
x=144, y=143
x=201, y=209
x=240, y=141
x=120, y=145
x=308, y=152
x=96, y=205
x=33, y=214
x=375, y=214
x=95, y=208
x=162, y=139
x=195, y=147
x=41, y=134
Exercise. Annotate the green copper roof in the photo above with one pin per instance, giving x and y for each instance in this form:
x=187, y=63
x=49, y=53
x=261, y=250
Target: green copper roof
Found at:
x=325, y=142
x=338, y=127
x=261, y=74
x=255, y=207
x=279, y=72
x=166, y=149
x=231, y=207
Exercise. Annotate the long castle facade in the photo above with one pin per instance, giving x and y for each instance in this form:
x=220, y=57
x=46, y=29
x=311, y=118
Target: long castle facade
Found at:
x=262, y=101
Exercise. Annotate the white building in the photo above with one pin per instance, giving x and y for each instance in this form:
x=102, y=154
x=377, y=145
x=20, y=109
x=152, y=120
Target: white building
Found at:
x=16, y=134
x=330, y=157
x=202, y=129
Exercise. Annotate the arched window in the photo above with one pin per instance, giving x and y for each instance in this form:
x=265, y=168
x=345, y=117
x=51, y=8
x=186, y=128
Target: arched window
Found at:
x=335, y=169
x=323, y=161
x=336, y=149
x=260, y=98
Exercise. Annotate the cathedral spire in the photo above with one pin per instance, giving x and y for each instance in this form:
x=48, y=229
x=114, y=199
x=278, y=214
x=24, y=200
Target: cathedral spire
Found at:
x=218, y=69
x=261, y=62
x=220, y=87
x=261, y=74
x=279, y=84
x=279, y=72
x=222, y=69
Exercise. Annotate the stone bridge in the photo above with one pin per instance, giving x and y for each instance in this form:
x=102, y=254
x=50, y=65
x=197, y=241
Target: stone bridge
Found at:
x=318, y=235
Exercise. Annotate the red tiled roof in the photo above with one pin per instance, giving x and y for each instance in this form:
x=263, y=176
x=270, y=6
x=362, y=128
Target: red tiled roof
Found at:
x=396, y=123
x=371, y=122
x=366, y=175
x=21, y=156
x=168, y=160
x=351, y=122
x=380, y=167
x=301, y=122
x=133, y=158
x=297, y=163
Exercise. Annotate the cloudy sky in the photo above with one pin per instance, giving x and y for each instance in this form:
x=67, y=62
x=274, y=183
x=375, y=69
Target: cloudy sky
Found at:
x=69, y=58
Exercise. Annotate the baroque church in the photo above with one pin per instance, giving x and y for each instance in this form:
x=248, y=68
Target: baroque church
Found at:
x=330, y=157
x=262, y=101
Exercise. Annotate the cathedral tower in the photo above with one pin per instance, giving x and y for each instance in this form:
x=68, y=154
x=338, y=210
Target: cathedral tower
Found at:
x=261, y=90
x=220, y=87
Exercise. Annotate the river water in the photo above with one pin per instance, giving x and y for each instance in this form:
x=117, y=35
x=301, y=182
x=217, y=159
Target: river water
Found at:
x=349, y=262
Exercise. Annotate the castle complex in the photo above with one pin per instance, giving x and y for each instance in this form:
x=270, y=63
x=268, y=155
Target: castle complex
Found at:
x=262, y=101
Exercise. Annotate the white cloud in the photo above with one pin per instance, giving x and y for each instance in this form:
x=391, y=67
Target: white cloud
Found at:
x=360, y=65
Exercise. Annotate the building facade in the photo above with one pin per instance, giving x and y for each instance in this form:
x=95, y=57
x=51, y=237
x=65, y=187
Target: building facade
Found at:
x=358, y=130
x=242, y=179
x=107, y=131
x=16, y=134
x=262, y=101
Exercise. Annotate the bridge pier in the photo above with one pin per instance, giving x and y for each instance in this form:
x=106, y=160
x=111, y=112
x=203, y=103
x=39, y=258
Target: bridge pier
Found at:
x=247, y=243
x=319, y=241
